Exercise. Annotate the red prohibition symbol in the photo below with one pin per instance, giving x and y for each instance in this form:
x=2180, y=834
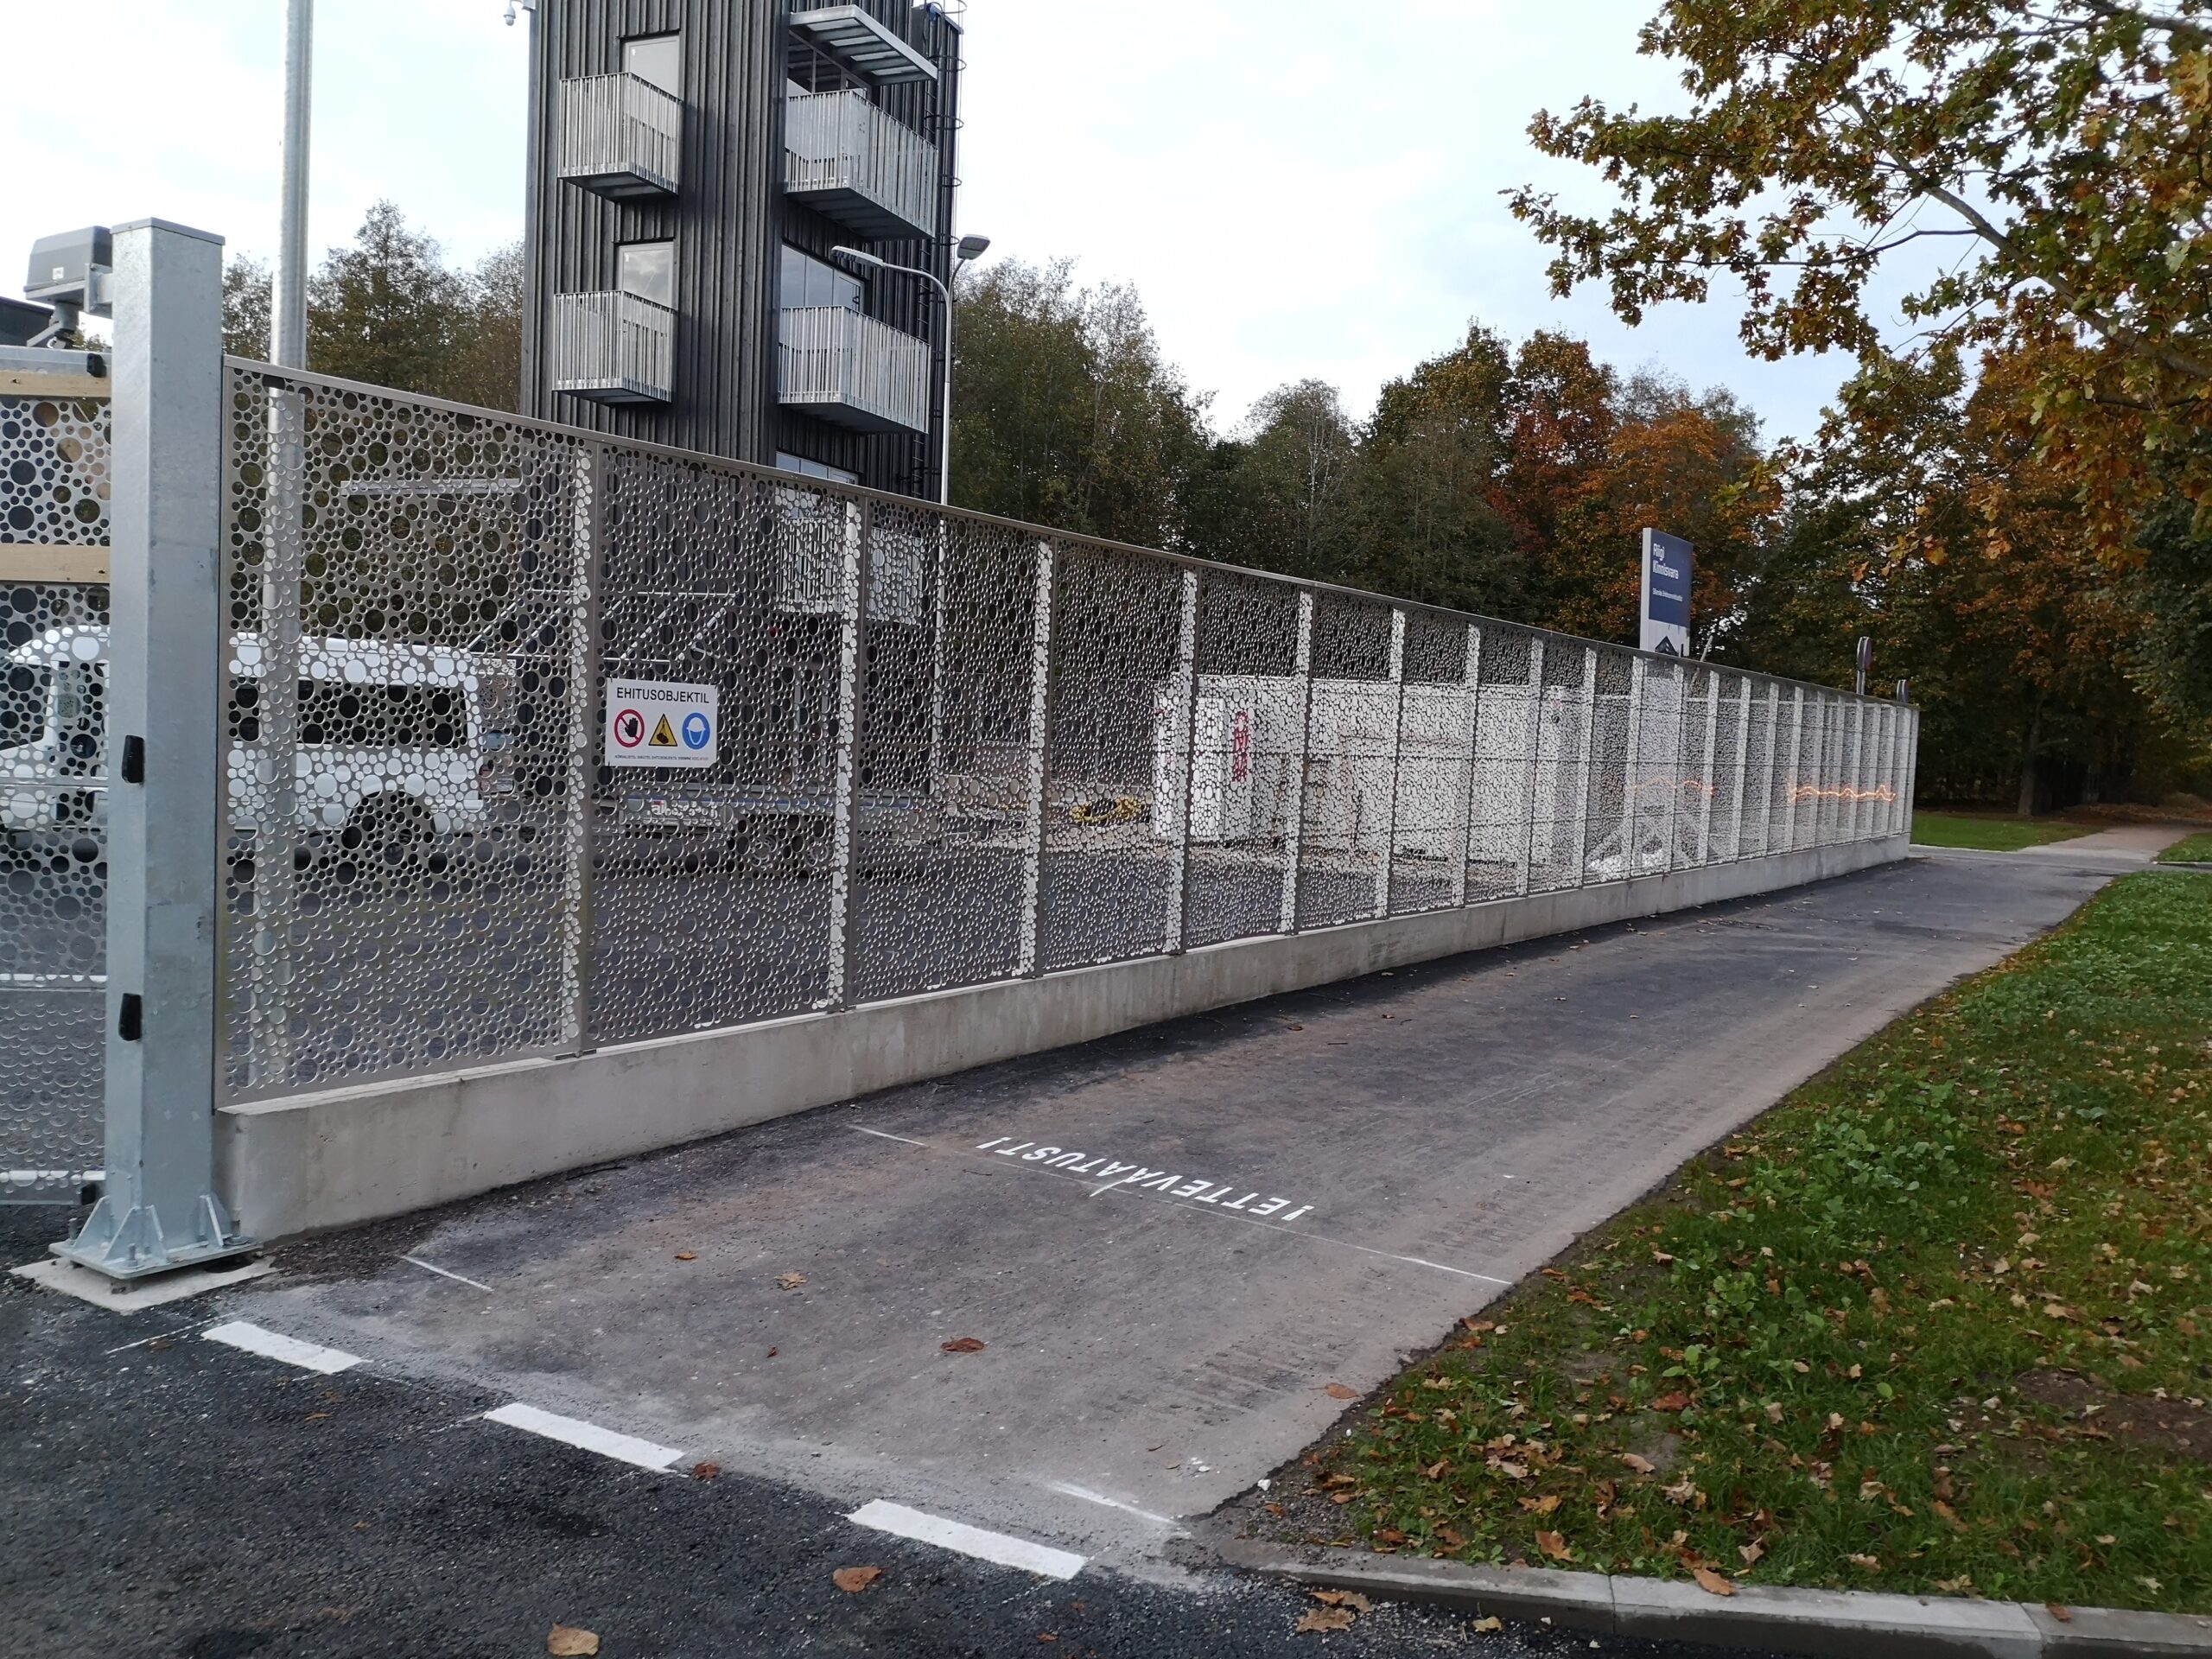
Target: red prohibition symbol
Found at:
x=629, y=728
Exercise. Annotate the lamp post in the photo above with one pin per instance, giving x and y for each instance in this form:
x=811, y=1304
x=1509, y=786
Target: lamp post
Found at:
x=859, y=260
x=288, y=322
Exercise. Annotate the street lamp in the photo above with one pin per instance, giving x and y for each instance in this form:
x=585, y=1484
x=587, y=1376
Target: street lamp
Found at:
x=861, y=261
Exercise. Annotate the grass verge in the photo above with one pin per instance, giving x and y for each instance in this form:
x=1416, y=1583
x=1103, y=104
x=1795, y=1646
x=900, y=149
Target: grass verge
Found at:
x=2197, y=849
x=1936, y=1324
x=1992, y=833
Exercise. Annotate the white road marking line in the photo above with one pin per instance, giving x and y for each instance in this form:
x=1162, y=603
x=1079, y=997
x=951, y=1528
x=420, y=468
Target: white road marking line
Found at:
x=306, y=1355
x=1088, y=1497
x=903, y=1523
x=447, y=1273
x=181, y=1329
x=571, y=1431
x=881, y=1135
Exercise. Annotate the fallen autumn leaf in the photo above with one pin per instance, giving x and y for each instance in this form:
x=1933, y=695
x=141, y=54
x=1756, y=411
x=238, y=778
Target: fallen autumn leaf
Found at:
x=1554, y=1546
x=569, y=1643
x=705, y=1470
x=790, y=1280
x=961, y=1345
x=1338, y=1391
x=1325, y=1618
x=1711, y=1582
x=1642, y=1465
x=854, y=1580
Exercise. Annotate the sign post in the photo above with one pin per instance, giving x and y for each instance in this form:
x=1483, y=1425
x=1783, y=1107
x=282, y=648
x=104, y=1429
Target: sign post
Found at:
x=1667, y=565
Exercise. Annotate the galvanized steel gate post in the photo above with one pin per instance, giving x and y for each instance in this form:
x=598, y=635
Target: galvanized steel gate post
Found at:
x=1044, y=602
x=1187, y=699
x=1293, y=834
x=852, y=671
x=165, y=687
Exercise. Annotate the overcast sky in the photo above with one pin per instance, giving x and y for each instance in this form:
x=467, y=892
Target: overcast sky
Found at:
x=1297, y=187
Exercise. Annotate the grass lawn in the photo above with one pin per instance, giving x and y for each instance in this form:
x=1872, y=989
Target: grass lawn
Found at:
x=1991, y=834
x=1936, y=1324
x=2197, y=849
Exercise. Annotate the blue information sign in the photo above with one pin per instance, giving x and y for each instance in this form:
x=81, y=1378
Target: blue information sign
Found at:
x=1668, y=562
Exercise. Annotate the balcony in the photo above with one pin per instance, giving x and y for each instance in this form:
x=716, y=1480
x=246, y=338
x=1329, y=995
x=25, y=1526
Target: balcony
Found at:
x=852, y=164
x=612, y=348
x=849, y=34
x=853, y=371
x=621, y=136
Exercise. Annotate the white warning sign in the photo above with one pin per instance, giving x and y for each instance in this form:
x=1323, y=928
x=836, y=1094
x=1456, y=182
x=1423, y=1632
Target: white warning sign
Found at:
x=658, y=723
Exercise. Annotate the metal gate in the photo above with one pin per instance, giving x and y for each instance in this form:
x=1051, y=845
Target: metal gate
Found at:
x=53, y=596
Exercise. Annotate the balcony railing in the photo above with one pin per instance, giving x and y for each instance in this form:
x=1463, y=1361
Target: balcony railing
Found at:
x=621, y=136
x=851, y=162
x=848, y=33
x=613, y=348
x=854, y=370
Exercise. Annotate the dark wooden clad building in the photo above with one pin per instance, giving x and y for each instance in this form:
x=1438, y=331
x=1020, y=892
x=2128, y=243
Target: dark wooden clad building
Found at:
x=693, y=164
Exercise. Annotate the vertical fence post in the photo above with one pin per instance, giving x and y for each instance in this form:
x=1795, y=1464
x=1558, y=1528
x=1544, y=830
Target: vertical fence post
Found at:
x=1463, y=839
x=1631, y=808
x=276, y=888
x=1383, y=872
x=1767, y=778
x=1293, y=834
x=1678, y=778
x=1710, y=785
x=1583, y=756
x=1743, y=760
x=166, y=805
x=1046, y=593
x=1855, y=784
x=1536, y=753
x=1796, y=771
x=852, y=669
x=588, y=544
x=1900, y=723
x=1911, y=791
x=1186, y=704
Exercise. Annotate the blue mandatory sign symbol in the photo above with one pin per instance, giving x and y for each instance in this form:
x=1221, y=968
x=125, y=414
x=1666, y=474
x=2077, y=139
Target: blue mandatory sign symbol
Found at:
x=696, y=731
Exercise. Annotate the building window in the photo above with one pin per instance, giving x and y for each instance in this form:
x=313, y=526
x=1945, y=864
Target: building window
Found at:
x=658, y=59
x=808, y=282
x=648, y=270
x=792, y=463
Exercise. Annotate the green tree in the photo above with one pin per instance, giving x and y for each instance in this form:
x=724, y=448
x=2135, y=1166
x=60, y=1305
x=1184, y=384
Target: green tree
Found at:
x=388, y=309
x=1065, y=412
x=246, y=300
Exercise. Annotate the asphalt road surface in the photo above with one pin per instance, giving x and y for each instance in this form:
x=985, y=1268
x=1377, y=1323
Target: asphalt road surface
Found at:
x=1353, y=1168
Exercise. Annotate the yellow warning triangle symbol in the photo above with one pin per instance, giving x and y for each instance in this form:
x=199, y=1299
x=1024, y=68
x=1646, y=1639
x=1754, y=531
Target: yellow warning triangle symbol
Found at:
x=664, y=734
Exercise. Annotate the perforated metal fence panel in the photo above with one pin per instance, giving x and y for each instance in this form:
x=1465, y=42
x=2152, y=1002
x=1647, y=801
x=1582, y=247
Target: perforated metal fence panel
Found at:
x=946, y=750
x=54, y=492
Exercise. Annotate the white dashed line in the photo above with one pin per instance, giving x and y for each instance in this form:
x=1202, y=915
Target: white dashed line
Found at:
x=1071, y=1490
x=903, y=1523
x=305, y=1355
x=447, y=1273
x=570, y=1430
x=881, y=1135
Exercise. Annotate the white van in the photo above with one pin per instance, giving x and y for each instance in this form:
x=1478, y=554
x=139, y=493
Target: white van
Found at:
x=416, y=740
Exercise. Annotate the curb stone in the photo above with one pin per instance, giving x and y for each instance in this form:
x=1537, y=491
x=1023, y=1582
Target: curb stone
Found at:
x=1820, y=1624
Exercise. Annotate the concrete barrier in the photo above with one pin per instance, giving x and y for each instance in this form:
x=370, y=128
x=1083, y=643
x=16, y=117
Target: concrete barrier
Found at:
x=357, y=1153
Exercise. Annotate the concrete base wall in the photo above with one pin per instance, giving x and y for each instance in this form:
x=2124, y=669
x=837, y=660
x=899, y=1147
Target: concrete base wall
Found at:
x=357, y=1153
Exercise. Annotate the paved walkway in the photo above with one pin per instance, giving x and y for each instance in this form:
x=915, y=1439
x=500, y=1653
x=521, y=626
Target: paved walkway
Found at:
x=2124, y=847
x=1171, y=1244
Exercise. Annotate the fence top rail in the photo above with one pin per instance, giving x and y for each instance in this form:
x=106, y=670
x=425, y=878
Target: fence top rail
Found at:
x=1073, y=539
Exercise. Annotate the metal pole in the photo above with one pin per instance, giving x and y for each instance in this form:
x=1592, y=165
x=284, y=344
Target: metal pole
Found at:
x=1678, y=777
x=1743, y=760
x=1294, y=835
x=1855, y=784
x=1046, y=591
x=1631, y=808
x=1463, y=840
x=1384, y=871
x=1708, y=784
x=1583, y=763
x=276, y=829
x=1797, y=765
x=288, y=313
x=1186, y=702
x=589, y=544
x=852, y=665
x=1535, y=750
x=165, y=686
x=1766, y=768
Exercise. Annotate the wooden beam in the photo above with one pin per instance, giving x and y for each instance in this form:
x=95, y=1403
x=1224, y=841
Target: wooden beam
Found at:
x=67, y=387
x=44, y=561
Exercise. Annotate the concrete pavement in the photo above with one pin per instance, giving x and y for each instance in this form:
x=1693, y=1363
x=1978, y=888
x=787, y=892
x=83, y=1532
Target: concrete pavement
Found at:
x=1170, y=1243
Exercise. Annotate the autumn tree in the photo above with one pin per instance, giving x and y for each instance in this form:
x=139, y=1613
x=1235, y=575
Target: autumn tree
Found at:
x=2052, y=152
